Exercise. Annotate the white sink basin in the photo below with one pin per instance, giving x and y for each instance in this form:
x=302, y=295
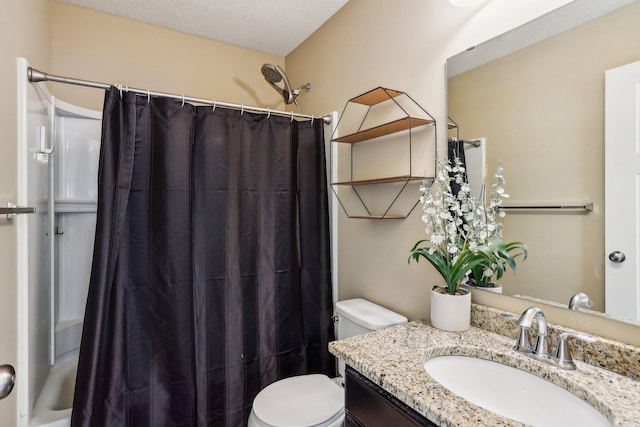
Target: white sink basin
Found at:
x=512, y=393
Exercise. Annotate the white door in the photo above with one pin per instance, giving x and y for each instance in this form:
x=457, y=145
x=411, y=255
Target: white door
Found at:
x=622, y=191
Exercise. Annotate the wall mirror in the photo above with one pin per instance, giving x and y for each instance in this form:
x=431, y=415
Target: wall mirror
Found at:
x=536, y=94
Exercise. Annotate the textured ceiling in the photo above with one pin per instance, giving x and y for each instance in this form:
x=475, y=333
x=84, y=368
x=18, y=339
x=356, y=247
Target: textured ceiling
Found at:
x=271, y=26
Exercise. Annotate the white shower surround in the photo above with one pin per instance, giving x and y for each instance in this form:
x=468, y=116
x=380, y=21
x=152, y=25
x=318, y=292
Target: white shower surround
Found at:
x=53, y=407
x=52, y=295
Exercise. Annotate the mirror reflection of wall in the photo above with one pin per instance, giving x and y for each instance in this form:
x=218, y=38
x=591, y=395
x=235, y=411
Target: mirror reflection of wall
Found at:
x=541, y=110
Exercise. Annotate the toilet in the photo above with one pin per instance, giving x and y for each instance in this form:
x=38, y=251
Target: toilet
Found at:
x=316, y=400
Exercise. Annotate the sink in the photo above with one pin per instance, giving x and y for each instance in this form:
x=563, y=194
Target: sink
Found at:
x=512, y=393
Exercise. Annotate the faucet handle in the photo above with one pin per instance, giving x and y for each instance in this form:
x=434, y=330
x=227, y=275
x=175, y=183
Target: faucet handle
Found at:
x=510, y=316
x=563, y=353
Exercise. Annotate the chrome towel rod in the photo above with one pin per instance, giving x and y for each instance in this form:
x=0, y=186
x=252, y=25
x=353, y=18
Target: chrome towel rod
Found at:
x=35, y=76
x=473, y=142
x=12, y=210
x=587, y=207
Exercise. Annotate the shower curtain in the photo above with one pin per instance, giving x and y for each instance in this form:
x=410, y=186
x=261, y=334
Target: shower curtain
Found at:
x=211, y=269
x=455, y=148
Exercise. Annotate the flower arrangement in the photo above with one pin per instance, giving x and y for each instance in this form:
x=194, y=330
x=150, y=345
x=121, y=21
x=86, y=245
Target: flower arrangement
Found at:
x=465, y=234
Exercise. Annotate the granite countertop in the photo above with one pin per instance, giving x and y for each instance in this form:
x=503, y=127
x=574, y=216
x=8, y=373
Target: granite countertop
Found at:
x=393, y=358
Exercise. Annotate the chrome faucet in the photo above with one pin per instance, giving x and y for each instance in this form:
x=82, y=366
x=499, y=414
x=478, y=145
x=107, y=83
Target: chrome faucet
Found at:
x=562, y=357
x=580, y=300
x=541, y=348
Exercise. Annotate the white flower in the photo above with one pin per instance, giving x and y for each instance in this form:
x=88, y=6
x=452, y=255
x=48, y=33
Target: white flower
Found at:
x=460, y=221
x=436, y=238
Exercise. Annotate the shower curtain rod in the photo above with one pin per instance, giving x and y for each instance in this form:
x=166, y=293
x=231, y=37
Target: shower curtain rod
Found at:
x=35, y=76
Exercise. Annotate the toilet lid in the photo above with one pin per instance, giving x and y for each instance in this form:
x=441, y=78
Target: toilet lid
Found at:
x=303, y=401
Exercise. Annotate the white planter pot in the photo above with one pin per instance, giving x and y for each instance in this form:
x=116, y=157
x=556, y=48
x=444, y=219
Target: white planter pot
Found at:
x=451, y=312
x=497, y=289
x=494, y=289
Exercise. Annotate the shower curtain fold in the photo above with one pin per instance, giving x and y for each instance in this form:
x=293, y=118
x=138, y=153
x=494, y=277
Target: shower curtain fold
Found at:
x=211, y=271
x=455, y=149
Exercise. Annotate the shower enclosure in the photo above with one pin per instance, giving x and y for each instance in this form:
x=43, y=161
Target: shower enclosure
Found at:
x=57, y=164
x=58, y=149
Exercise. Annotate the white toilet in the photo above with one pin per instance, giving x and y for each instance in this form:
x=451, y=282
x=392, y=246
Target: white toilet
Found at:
x=316, y=400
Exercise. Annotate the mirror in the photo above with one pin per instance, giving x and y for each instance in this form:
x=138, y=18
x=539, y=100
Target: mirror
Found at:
x=537, y=95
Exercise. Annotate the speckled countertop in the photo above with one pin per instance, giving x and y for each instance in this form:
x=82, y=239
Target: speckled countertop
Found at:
x=393, y=358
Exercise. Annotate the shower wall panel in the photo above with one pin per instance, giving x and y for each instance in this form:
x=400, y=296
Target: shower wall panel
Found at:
x=76, y=190
x=58, y=150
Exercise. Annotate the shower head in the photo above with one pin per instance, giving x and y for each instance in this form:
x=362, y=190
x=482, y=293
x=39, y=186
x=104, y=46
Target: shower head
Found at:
x=274, y=74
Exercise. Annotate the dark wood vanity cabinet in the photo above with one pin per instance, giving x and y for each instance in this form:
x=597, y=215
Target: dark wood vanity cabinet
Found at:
x=368, y=405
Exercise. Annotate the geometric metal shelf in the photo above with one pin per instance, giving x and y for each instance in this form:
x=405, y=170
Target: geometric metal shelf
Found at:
x=406, y=123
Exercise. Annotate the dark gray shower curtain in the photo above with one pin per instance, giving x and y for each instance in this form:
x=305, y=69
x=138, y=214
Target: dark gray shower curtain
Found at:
x=455, y=148
x=211, y=269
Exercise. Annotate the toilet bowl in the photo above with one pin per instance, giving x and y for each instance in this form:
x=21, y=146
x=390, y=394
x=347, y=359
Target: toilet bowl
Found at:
x=316, y=400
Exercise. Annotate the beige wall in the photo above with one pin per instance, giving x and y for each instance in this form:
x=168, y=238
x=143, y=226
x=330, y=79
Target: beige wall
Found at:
x=403, y=45
x=542, y=112
x=96, y=46
x=25, y=28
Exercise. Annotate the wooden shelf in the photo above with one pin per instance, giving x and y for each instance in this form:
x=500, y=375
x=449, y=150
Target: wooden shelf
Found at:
x=402, y=178
x=376, y=96
x=399, y=125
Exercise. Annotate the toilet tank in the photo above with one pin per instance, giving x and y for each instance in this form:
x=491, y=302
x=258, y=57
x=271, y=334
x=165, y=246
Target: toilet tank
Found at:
x=358, y=316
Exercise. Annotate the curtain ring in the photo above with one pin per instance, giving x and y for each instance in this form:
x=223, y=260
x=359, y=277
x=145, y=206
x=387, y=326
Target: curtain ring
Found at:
x=120, y=89
x=148, y=96
x=214, y=105
x=268, y=112
x=126, y=88
x=242, y=109
x=312, y=118
x=183, y=99
x=292, y=116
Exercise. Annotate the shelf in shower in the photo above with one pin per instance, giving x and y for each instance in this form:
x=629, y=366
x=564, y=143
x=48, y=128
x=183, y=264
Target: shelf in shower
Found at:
x=75, y=206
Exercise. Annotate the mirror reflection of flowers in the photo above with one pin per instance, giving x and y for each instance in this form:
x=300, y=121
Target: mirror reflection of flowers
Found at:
x=488, y=231
x=465, y=233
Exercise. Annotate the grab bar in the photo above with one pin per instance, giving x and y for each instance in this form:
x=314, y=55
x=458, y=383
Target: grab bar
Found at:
x=12, y=210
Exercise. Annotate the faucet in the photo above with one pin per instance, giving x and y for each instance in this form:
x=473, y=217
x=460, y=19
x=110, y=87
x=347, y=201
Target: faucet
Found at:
x=541, y=348
x=580, y=300
x=562, y=356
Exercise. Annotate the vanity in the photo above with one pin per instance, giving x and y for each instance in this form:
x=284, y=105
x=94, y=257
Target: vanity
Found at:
x=368, y=404
x=387, y=384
